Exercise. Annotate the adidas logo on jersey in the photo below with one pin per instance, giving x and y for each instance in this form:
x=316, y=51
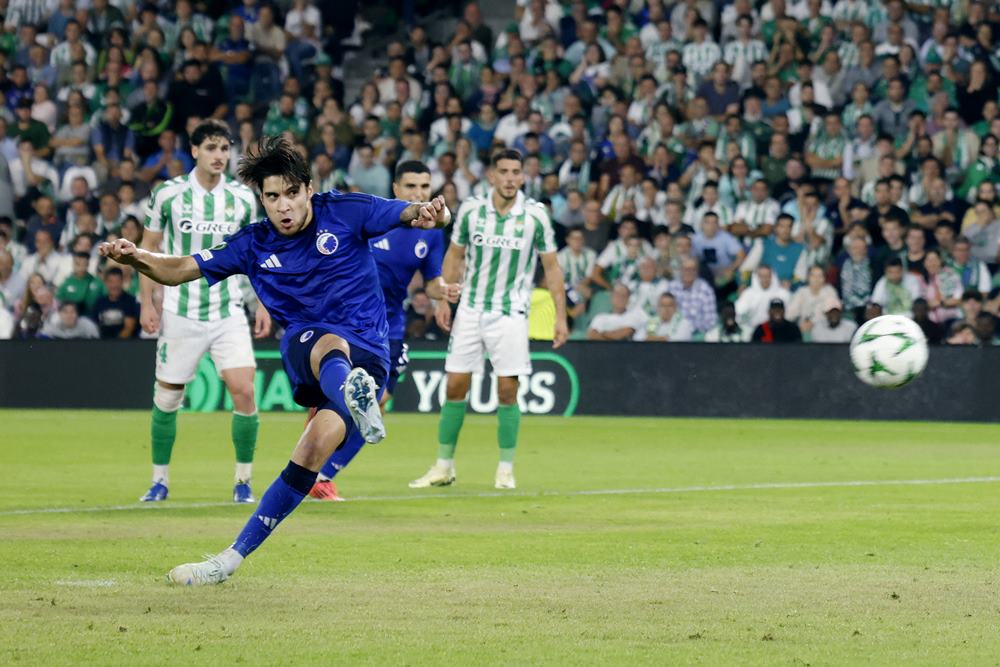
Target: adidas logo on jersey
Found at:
x=382, y=245
x=271, y=263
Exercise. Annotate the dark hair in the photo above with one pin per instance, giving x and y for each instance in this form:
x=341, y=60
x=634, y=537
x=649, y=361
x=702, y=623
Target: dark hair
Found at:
x=784, y=216
x=273, y=156
x=894, y=261
x=410, y=167
x=972, y=294
x=506, y=154
x=114, y=271
x=210, y=128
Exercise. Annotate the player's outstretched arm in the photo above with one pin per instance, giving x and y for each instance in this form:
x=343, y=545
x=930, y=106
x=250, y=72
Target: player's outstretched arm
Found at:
x=164, y=269
x=557, y=288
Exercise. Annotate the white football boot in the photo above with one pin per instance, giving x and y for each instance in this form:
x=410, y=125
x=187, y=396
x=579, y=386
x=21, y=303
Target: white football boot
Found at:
x=438, y=475
x=361, y=397
x=504, y=479
x=212, y=570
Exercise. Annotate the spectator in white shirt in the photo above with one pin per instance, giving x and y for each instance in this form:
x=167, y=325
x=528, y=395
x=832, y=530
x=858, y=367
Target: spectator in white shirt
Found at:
x=514, y=124
x=30, y=171
x=752, y=306
x=832, y=327
x=12, y=283
x=68, y=323
x=647, y=288
x=669, y=325
x=896, y=290
x=46, y=261
x=809, y=301
x=621, y=323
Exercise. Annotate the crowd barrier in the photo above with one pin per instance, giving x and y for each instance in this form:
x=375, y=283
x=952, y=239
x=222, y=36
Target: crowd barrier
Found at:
x=582, y=378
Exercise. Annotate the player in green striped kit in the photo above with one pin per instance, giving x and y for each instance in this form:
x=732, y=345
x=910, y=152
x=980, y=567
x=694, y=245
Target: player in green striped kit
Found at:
x=500, y=237
x=189, y=213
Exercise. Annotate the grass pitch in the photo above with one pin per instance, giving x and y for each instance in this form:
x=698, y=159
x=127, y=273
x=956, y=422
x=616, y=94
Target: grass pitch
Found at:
x=629, y=541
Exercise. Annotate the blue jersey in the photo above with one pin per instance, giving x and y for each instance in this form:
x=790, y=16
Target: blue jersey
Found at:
x=324, y=275
x=399, y=254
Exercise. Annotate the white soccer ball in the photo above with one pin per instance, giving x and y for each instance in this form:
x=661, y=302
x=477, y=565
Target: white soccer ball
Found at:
x=889, y=351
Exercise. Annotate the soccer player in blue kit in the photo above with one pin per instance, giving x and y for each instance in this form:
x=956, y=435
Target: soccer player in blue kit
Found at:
x=399, y=254
x=312, y=268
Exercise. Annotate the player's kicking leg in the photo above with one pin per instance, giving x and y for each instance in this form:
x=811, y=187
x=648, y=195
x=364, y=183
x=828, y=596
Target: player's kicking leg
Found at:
x=348, y=400
x=325, y=488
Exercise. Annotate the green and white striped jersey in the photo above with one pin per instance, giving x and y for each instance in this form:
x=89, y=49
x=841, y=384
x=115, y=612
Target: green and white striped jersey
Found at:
x=576, y=267
x=850, y=55
x=755, y=214
x=700, y=57
x=751, y=52
x=192, y=219
x=826, y=147
x=501, y=252
x=848, y=11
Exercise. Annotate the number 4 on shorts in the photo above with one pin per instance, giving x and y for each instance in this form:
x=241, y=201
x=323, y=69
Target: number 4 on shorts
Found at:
x=162, y=353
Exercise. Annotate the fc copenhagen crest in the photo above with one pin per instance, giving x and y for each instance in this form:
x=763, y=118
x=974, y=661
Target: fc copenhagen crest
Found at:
x=327, y=243
x=420, y=250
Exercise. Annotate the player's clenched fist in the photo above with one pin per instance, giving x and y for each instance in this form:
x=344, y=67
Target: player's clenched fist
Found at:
x=122, y=251
x=433, y=214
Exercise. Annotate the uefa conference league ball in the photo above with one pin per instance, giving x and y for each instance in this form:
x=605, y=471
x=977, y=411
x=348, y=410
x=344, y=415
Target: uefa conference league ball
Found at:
x=889, y=351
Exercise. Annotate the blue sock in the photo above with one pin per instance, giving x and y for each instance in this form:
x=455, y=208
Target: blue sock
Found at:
x=280, y=500
x=333, y=371
x=340, y=458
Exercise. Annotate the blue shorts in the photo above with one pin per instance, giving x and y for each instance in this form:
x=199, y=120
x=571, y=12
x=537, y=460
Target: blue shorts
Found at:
x=296, y=347
x=399, y=359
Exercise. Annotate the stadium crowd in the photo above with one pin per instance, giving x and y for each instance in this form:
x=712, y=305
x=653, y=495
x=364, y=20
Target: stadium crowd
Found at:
x=722, y=171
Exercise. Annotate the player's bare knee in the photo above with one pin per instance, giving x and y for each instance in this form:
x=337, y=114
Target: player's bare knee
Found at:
x=243, y=400
x=240, y=385
x=458, y=386
x=326, y=344
x=507, y=390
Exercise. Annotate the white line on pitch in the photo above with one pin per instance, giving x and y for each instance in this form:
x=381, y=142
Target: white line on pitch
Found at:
x=445, y=495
